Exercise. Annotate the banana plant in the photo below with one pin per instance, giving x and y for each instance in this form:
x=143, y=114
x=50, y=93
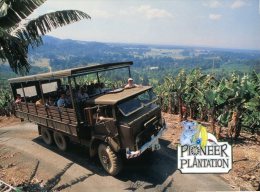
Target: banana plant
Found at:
x=179, y=87
x=251, y=118
x=168, y=92
x=211, y=98
x=193, y=81
x=244, y=94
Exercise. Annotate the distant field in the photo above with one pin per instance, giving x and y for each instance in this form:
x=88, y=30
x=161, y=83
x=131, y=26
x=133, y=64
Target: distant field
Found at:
x=42, y=62
x=173, y=53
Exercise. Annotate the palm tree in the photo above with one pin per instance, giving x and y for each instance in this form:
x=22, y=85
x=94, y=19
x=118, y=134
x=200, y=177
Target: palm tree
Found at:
x=16, y=35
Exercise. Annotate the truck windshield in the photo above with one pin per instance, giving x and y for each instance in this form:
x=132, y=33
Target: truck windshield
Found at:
x=136, y=103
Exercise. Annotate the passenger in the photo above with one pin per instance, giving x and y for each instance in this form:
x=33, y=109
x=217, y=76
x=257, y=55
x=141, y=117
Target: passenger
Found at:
x=39, y=102
x=49, y=102
x=85, y=87
x=82, y=95
x=97, y=89
x=18, y=99
x=91, y=89
x=130, y=84
x=102, y=87
x=68, y=99
x=62, y=101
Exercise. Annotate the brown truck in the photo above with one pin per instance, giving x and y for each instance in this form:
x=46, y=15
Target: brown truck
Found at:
x=110, y=123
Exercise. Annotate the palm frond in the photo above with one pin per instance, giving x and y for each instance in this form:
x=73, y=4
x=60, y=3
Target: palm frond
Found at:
x=16, y=10
x=45, y=23
x=15, y=51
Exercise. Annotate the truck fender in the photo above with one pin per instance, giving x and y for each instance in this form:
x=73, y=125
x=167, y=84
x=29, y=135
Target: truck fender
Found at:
x=115, y=146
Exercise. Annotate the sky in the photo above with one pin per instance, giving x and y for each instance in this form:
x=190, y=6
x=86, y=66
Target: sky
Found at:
x=211, y=23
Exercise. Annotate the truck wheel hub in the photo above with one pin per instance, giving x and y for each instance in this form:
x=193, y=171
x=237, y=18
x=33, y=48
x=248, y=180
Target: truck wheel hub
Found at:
x=105, y=160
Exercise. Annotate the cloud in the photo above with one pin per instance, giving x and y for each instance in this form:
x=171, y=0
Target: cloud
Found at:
x=213, y=4
x=238, y=4
x=100, y=14
x=151, y=13
x=146, y=11
x=215, y=16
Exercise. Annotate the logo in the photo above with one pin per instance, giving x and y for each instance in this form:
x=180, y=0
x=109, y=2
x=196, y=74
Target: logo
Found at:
x=200, y=152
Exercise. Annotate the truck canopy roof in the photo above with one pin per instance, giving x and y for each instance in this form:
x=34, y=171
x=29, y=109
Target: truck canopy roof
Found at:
x=113, y=98
x=71, y=72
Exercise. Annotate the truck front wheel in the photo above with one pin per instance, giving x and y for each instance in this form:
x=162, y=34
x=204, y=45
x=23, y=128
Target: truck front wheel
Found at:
x=60, y=141
x=109, y=159
x=46, y=136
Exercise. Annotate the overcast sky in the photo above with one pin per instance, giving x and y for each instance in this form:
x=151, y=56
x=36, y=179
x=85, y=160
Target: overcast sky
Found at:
x=214, y=23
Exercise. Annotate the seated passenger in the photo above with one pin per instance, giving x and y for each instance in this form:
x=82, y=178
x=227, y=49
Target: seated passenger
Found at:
x=130, y=84
x=68, y=99
x=62, y=101
x=97, y=89
x=49, y=102
x=18, y=99
x=91, y=89
x=82, y=95
x=39, y=102
x=102, y=88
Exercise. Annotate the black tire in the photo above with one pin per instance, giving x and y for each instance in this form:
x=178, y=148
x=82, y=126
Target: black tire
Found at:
x=60, y=141
x=46, y=136
x=110, y=161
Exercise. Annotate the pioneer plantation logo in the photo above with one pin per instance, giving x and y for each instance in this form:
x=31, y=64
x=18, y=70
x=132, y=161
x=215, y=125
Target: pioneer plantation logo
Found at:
x=200, y=152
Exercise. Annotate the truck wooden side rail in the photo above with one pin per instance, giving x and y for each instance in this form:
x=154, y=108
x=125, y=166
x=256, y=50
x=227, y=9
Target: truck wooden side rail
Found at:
x=61, y=119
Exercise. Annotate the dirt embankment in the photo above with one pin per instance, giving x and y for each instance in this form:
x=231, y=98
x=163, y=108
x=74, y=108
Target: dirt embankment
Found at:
x=7, y=121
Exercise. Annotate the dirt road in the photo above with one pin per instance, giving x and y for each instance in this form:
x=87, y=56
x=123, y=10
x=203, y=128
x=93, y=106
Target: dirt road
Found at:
x=22, y=150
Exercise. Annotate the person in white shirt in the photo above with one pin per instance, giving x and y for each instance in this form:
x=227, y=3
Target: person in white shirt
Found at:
x=130, y=84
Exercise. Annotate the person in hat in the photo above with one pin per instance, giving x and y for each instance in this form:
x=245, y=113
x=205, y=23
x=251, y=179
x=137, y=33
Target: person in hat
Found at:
x=130, y=84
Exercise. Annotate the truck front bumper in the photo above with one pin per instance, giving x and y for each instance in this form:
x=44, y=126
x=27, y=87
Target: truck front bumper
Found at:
x=153, y=144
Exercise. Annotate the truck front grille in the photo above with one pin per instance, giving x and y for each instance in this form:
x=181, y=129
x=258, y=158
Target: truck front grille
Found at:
x=151, y=127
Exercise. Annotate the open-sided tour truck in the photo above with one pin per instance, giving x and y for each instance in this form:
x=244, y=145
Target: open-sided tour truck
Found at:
x=110, y=122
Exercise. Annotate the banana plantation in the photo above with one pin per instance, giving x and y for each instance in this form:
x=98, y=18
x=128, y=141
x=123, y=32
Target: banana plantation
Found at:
x=232, y=101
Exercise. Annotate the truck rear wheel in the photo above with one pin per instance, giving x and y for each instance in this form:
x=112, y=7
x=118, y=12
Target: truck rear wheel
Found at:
x=110, y=161
x=60, y=141
x=46, y=136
